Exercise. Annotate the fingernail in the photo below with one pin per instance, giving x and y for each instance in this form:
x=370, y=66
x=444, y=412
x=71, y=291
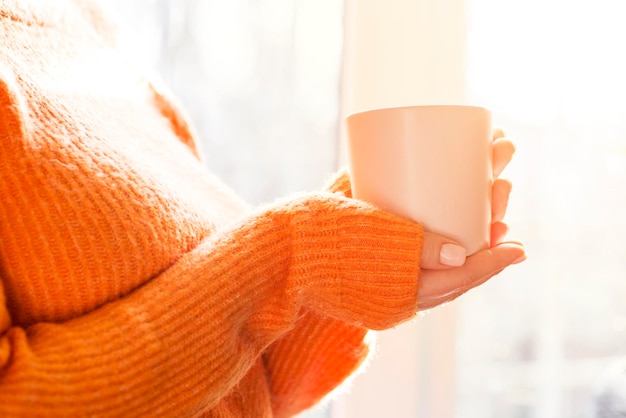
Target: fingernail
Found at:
x=452, y=255
x=519, y=260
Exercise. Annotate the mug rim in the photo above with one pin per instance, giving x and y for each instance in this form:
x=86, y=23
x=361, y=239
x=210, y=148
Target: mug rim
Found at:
x=411, y=107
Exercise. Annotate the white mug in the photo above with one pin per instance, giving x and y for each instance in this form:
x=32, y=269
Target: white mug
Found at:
x=431, y=164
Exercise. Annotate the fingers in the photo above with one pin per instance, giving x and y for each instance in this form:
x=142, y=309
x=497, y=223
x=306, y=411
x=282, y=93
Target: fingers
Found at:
x=441, y=286
x=498, y=233
x=439, y=252
x=500, y=199
x=503, y=151
x=498, y=133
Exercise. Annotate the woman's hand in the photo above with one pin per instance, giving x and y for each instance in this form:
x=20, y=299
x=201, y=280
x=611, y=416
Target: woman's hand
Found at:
x=446, y=271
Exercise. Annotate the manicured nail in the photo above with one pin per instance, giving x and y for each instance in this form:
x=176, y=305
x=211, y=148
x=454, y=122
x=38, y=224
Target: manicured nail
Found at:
x=519, y=260
x=452, y=255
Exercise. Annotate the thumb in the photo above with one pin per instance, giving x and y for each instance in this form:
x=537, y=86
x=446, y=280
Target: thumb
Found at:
x=439, y=252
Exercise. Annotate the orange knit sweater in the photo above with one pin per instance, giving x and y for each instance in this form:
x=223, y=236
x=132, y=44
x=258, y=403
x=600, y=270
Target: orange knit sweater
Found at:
x=132, y=282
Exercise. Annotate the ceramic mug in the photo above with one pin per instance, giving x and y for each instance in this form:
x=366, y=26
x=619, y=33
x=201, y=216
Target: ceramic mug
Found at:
x=431, y=164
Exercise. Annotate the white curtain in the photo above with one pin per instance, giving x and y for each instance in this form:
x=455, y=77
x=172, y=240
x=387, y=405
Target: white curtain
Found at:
x=545, y=339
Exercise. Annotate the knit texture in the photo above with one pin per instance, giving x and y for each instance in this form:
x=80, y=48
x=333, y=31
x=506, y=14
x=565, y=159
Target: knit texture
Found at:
x=132, y=281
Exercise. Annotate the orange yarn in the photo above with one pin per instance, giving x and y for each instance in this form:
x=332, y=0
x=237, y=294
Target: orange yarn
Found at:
x=134, y=283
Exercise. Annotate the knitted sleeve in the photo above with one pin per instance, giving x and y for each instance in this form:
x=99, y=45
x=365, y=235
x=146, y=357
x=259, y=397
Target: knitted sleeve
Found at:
x=188, y=336
x=320, y=352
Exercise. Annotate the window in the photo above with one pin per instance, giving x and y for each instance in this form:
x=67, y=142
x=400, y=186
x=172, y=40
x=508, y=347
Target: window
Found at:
x=258, y=78
x=544, y=337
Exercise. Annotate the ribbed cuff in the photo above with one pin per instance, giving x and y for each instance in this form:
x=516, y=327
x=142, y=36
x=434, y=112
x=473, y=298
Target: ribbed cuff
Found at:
x=356, y=262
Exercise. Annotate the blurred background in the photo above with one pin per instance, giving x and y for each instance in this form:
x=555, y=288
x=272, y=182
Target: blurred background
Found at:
x=268, y=84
